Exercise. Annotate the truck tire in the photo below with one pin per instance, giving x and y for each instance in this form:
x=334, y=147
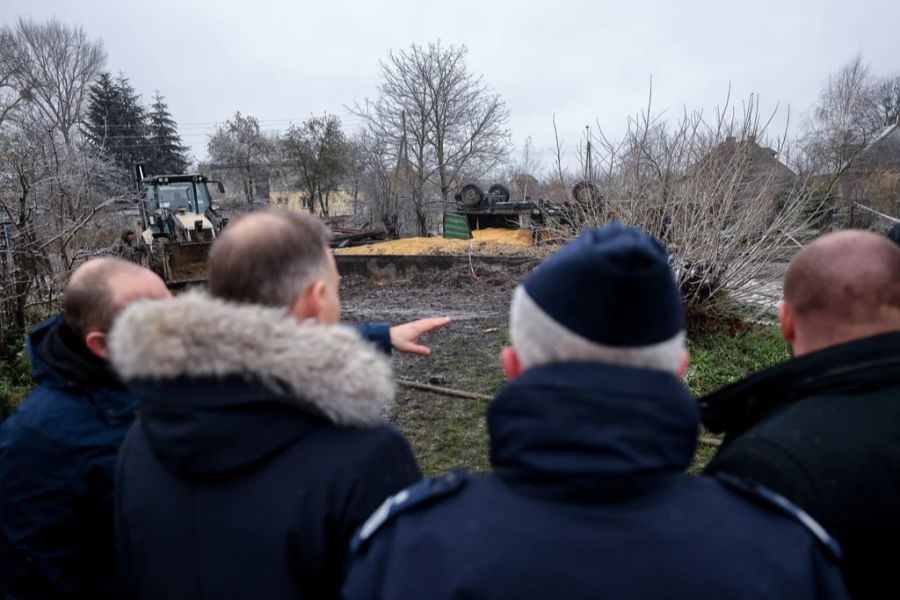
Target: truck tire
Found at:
x=499, y=192
x=471, y=195
x=586, y=193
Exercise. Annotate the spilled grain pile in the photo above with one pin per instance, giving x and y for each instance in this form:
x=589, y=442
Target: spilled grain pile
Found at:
x=486, y=241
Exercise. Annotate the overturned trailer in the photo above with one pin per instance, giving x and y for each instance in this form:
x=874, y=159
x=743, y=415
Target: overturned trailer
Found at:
x=494, y=208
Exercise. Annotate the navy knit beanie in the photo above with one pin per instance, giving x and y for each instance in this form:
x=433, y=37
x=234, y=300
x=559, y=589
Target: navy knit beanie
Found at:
x=612, y=285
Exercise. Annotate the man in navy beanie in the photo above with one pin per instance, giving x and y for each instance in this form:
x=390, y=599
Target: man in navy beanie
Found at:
x=589, y=442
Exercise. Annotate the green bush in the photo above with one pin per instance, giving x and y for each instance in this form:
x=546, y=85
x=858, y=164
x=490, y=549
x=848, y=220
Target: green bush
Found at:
x=15, y=377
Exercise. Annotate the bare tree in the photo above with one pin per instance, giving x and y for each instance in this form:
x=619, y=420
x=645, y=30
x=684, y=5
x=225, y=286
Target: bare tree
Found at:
x=51, y=187
x=322, y=154
x=380, y=180
x=12, y=95
x=443, y=121
x=523, y=174
x=398, y=119
x=886, y=92
x=847, y=115
x=48, y=197
x=56, y=64
x=244, y=152
x=853, y=109
x=468, y=119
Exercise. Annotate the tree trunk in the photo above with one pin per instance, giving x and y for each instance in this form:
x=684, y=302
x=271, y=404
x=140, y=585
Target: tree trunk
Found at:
x=445, y=186
x=421, y=218
x=248, y=190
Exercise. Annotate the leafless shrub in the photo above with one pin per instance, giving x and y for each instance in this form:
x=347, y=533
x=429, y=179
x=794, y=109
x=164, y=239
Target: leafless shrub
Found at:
x=729, y=211
x=51, y=187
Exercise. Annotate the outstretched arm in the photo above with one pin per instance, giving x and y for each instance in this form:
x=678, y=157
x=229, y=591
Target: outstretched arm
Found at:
x=402, y=338
x=405, y=338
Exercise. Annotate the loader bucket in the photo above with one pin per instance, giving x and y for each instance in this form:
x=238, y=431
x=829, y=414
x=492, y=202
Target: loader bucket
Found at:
x=187, y=263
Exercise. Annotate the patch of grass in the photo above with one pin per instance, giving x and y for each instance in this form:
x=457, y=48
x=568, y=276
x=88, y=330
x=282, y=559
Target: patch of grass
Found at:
x=702, y=455
x=720, y=358
x=450, y=432
x=445, y=433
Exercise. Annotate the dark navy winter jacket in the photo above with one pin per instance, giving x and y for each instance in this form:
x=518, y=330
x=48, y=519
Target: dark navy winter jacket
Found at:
x=260, y=448
x=57, y=457
x=588, y=500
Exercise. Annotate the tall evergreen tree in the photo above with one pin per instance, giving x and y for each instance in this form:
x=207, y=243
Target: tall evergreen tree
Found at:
x=116, y=123
x=102, y=111
x=131, y=133
x=165, y=152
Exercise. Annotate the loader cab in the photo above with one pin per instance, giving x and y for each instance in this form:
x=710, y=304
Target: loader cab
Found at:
x=187, y=192
x=165, y=196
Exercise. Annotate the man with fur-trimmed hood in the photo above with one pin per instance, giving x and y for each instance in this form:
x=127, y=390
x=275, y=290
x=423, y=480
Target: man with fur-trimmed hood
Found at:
x=261, y=444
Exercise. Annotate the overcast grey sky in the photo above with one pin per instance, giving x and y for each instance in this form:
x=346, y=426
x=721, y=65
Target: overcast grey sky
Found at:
x=586, y=61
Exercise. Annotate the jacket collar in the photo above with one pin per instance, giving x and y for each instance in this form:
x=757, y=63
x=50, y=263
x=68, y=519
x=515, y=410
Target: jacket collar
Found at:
x=858, y=364
x=327, y=370
x=59, y=358
x=572, y=430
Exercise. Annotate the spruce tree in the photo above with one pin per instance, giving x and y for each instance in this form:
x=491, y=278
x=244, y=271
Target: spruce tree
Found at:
x=102, y=111
x=166, y=153
x=131, y=132
x=115, y=123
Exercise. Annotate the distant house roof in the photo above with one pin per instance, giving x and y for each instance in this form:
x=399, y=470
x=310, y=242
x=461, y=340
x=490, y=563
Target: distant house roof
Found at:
x=881, y=153
x=761, y=161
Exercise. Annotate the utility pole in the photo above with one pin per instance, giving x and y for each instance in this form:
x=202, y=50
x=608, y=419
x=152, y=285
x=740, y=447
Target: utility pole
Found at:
x=392, y=223
x=403, y=151
x=589, y=163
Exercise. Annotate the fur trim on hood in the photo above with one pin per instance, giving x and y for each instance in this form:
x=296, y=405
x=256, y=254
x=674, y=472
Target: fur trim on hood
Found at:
x=328, y=367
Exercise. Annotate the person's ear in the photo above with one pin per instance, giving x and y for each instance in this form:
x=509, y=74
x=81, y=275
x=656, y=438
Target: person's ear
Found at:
x=510, y=362
x=310, y=303
x=96, y=343
x=684, y=364
x=787, y=322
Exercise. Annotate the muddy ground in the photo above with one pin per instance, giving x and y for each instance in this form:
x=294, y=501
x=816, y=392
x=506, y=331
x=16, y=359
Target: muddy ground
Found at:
x=448, y=432
x=445, y=432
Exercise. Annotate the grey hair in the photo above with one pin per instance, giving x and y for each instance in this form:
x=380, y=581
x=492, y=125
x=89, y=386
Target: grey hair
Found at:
x=538, y=340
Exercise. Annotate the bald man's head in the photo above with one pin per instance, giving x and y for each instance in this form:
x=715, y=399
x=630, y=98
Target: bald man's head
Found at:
x=842, y=287
x=99, y=289
x=268, y=258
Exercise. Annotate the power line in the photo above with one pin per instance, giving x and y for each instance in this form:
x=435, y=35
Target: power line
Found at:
x=211, y=124
x=141, y=137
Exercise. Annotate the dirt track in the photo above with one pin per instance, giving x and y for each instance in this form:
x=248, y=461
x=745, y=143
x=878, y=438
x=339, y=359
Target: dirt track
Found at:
x=455, y=292
x=445, y=432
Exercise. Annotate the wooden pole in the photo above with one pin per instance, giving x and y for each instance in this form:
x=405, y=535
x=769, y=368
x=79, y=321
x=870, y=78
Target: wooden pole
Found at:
x=444, y=391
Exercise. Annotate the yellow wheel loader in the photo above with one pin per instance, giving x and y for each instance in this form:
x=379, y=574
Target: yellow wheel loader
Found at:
x=179, y=224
